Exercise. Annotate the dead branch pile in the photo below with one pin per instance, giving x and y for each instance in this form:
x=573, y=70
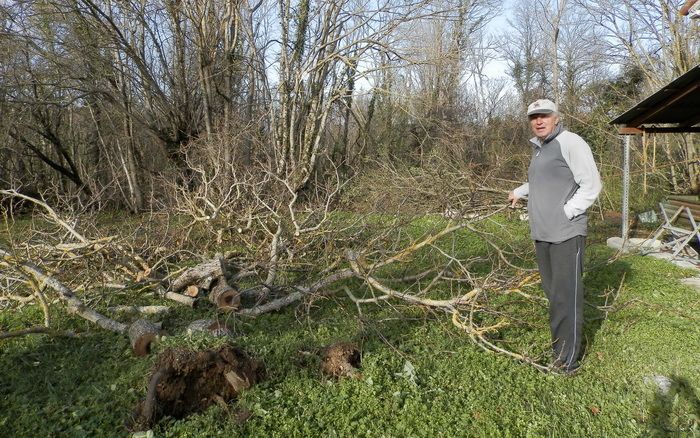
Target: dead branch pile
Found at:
x=440, y=186
x=292, y=251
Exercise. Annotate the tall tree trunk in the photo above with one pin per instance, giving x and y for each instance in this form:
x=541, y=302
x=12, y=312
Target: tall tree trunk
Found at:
x=671, y=159
x=692, y=155
x=130, y=169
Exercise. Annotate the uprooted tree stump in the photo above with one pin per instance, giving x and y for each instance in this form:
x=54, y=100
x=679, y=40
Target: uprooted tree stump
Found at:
x=141, y=334
x=185, y=381
x=212, y=327
x=340, y=360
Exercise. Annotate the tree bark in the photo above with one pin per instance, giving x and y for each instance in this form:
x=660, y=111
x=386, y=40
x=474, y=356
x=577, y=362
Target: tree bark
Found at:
x=141, y=334
x=224, y=296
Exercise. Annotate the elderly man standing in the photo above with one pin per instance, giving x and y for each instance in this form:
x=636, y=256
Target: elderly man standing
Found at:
x=563, y=182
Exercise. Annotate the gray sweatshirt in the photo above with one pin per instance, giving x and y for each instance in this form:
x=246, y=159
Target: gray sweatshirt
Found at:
x=563, y=181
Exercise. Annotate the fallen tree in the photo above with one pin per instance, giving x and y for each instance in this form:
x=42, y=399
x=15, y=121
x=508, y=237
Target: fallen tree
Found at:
x=293, y=254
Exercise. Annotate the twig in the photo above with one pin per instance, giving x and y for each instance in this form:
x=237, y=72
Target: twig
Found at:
x=44, y=305
x=49, y=210
x=298, y=294
x=447, y=305
x=477, y=335
x=29, y=331
x=37, y=330
x=18, y=298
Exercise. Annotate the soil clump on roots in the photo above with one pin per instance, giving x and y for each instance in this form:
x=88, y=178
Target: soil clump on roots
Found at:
x=185, y=381
x=340, y=360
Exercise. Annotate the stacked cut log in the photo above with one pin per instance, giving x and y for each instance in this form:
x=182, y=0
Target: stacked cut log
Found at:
x=197, y=275
x=209, y=277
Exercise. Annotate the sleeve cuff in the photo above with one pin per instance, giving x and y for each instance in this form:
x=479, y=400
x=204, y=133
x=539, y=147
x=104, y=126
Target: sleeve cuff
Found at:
x=567, y=211
x=520, y=192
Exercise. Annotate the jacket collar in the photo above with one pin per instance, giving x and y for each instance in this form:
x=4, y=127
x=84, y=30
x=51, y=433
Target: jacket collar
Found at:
x=557, y=130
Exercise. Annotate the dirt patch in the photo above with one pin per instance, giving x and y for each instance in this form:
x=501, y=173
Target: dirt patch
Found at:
x=340, y=360
x=185, y=381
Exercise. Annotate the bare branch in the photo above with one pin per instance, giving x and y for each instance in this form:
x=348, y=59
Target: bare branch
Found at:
x=73, y=303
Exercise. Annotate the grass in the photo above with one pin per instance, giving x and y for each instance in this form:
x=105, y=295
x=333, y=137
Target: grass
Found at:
x=420, y=375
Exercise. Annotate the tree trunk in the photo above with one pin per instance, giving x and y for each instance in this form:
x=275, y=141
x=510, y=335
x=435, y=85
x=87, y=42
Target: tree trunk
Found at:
x=692, y=154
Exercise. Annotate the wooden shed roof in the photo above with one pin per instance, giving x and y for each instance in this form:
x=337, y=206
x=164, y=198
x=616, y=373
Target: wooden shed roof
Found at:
x=673, y=108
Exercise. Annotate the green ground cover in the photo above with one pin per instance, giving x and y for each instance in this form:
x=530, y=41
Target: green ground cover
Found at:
x=420, y=375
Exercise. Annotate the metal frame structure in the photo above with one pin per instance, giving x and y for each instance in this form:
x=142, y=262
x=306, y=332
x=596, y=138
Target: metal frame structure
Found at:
x=673, y=108
x=680, y=236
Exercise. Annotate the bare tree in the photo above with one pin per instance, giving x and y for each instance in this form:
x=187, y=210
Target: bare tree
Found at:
x=651, y=35
x=653, y=39
x=551, y=16
x=525, y=51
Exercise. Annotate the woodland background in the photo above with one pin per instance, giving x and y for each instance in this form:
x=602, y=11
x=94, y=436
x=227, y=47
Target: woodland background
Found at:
x=193, y=107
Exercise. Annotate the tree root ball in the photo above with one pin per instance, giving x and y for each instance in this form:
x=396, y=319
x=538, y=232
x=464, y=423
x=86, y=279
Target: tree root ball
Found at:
x=185, y=381
x=340, y=360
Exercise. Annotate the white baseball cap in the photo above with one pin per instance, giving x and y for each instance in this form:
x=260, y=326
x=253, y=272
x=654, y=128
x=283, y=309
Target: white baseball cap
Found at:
x=542, y=106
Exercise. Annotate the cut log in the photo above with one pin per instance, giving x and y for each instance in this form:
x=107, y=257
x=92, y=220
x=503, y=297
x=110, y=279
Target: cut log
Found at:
x=205, y=273
x=191, y=291
x=224, y=296
x=215, y=328
x=182, y=299
x=210, y=268
x=142, y=333
x=196, y=274
x=206, y=282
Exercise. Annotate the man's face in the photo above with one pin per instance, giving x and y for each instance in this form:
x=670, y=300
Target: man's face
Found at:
x=543, y=124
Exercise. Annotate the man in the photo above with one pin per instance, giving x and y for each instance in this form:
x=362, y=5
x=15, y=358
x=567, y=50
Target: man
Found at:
x=563, y=182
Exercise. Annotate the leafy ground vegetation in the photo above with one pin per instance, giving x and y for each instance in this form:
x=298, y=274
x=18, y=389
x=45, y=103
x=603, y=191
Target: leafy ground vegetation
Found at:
x=419, y=374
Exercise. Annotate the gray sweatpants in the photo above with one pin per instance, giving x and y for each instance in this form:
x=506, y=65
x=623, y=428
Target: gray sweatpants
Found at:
x=561, y=269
